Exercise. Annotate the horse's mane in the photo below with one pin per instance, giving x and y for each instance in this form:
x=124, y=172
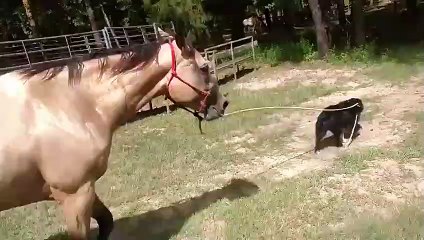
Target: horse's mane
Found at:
x=131, y=57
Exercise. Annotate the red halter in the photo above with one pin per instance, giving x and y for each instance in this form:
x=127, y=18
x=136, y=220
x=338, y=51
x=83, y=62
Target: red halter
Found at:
x=174, y=74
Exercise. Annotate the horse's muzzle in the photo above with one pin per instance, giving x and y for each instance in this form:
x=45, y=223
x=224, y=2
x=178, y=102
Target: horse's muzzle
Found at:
x=214, y=112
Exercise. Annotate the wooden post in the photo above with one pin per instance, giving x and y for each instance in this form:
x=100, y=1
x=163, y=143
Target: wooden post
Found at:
x=214, y=64
x=253, y=54
x=87, y=44
x=233, y=60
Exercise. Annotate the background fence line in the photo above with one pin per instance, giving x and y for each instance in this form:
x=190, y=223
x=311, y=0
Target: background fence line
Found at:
x=29, y=52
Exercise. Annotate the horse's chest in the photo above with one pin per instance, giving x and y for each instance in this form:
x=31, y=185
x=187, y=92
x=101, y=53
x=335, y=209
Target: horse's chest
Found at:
x=72, y=150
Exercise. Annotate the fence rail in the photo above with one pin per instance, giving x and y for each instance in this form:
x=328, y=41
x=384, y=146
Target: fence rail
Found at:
x=28, y=52
x=230, y=54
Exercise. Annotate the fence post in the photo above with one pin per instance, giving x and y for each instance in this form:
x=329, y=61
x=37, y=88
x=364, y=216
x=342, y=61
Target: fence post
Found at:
x=26, y=53
x=87, y=44
x=106, y=38
x=233, y=60
x=253, y=54
x=155, y=28
x=143, y=33
x=214, y=64
x=67, y=45
x=126, y=36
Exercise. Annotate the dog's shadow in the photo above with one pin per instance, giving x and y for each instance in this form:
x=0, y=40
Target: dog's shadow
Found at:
x=163, y=223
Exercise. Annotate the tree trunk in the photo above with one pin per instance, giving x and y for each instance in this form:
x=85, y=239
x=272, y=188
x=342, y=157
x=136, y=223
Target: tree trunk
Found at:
x=31, y=20
x=412, y=8
x=92, y=18
x=343, y=31
x=358, y=22
x=322, y=40
x=341, y=13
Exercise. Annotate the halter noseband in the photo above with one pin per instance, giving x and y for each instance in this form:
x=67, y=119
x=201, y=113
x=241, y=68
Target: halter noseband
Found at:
x=204, y=94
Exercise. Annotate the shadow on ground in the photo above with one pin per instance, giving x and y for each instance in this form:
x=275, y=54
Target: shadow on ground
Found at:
x=163, y=223
x=150, y=113
x=230, y=77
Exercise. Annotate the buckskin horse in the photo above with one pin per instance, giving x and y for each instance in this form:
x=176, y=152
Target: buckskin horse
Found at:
x=58, y=120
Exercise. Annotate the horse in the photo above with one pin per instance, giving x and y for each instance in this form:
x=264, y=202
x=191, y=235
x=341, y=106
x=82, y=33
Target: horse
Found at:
x=58, y=120
x=253, y=24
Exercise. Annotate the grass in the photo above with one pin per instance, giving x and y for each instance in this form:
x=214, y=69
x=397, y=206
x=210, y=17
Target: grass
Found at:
x=406, y=222
x=411, y=148
x=274, y=54
x=392, y=64
x=270, y=214
x=164, y=159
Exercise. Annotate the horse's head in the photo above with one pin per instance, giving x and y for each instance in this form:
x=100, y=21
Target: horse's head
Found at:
x=191, y=84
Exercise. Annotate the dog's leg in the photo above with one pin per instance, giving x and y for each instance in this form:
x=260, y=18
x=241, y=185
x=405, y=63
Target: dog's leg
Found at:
x=339, y=137
x=320, y=133
x=342, y=139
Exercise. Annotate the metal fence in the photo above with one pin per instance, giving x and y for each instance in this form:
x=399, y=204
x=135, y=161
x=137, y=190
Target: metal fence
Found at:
x=231, y=54
x=26, y=53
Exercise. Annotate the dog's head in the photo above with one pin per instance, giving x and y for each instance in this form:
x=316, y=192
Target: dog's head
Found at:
x=359, y=107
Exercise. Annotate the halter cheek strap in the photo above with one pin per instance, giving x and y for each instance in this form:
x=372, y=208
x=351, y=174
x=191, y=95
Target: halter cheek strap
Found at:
x=204, y=94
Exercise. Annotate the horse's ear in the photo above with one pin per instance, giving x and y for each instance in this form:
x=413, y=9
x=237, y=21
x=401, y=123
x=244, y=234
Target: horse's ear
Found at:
x=185, y=44
x=166, y=35
x=180, y=41
x=190, y=38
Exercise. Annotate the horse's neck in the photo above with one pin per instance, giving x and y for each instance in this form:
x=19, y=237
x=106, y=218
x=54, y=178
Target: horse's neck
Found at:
x=118, y=96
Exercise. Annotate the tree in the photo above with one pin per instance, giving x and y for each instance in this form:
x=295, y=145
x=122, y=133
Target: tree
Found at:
x=186, y=15
x=232, y=13
x=92, y=18
x=358, y=22
x=30, y=16
x=412, y=8
x=321, y=35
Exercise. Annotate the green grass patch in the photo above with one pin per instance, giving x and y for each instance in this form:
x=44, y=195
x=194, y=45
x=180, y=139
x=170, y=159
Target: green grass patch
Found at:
x=355, y=162
x=292, y=209
x=411, y=148
x=275, y=54
x=407, y=222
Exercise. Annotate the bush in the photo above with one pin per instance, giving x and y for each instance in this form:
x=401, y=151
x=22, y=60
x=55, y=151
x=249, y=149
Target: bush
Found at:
x=274, y=54
x=366, y=54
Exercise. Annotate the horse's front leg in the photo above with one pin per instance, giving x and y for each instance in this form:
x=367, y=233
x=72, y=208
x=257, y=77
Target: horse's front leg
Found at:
x=104, y=219
x=77, y=208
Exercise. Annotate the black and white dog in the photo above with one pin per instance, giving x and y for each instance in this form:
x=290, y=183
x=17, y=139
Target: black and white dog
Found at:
x=340, y=123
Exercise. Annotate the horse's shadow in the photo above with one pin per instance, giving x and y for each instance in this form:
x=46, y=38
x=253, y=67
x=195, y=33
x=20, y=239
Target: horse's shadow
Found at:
x=163, y=223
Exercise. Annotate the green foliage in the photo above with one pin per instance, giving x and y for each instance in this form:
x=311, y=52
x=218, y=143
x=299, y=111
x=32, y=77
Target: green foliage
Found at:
x=366, y=54
x=275, y=54
x=187, y=15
